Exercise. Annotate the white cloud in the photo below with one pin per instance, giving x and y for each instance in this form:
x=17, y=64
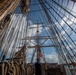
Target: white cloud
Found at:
x=62, y=22
x=52, y=58
x=69, y=22
x=47, y=28
x=63, y=32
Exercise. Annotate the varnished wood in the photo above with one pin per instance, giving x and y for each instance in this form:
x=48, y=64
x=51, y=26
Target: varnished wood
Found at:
x=7, y=6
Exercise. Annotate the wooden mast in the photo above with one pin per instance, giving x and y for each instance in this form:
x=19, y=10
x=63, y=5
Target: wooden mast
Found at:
x=7, y=7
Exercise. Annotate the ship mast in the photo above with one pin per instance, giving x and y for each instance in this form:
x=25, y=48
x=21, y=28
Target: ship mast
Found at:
x=38, y=47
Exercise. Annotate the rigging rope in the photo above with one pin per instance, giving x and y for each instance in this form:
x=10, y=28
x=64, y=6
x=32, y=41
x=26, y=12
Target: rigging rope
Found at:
x=45, y=6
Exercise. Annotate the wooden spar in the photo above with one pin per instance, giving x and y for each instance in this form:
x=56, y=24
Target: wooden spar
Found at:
x=10, y=8
x=40, y=37
x=43, y=46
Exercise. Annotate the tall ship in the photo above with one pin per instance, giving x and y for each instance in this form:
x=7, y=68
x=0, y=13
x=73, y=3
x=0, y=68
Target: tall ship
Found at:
x=43, y=30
